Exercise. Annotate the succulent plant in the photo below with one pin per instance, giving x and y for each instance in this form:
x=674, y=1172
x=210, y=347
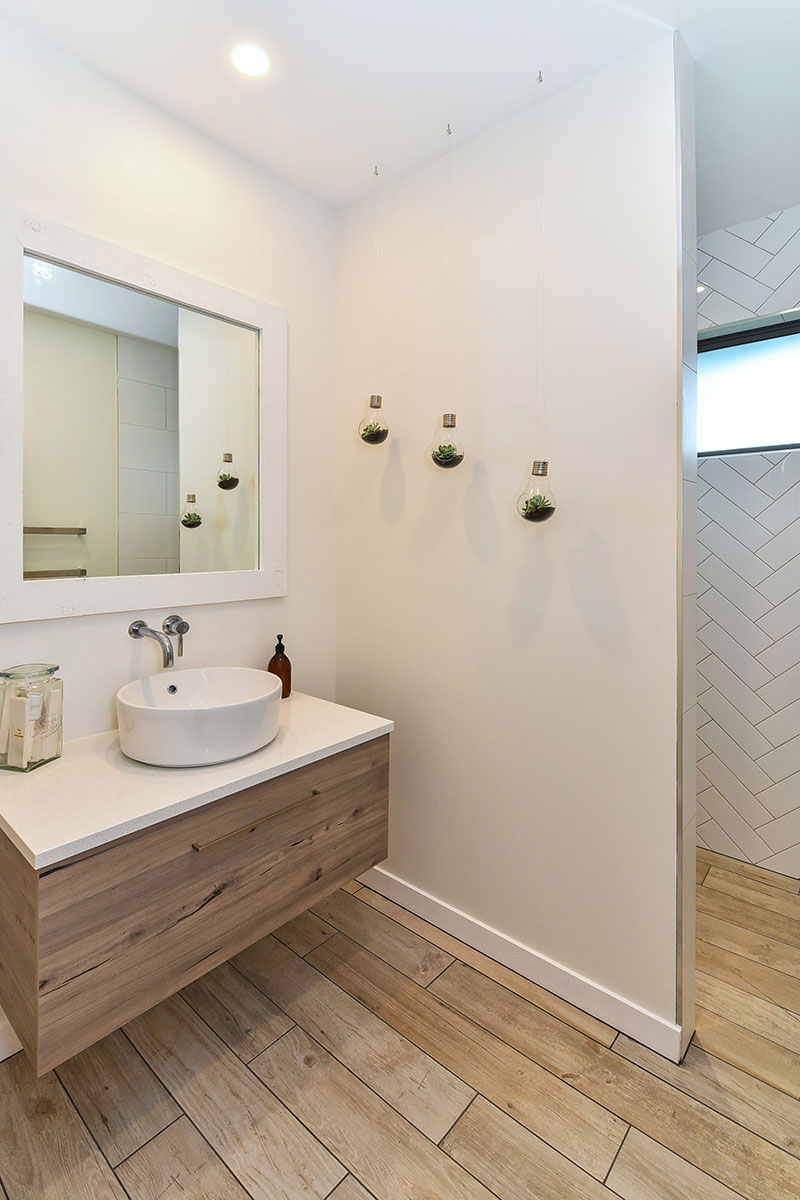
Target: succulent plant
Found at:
x=536, y=504
x=191, y=520
x=445, y=453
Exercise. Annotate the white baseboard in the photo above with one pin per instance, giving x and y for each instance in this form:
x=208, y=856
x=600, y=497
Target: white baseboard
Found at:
x=9, y=1042
x=645, y=1027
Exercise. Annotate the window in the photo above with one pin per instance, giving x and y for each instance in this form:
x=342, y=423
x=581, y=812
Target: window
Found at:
x=748, y=390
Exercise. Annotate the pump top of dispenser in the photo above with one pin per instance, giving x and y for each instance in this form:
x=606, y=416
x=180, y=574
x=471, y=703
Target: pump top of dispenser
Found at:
x=280, y=648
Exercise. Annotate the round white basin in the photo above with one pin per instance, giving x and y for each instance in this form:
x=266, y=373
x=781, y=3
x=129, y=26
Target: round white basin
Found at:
x=198, y=717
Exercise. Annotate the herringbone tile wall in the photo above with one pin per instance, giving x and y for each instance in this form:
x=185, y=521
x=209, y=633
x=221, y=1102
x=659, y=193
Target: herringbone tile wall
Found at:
x=749, y=270
x=748, y=715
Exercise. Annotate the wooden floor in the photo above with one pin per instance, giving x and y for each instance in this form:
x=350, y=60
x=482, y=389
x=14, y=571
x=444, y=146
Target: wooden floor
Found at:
x=363, y=1053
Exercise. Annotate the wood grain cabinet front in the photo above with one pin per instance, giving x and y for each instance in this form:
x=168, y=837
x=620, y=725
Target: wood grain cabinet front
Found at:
x=90, y=943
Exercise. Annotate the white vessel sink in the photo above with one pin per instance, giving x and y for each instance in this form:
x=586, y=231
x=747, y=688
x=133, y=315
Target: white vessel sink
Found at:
x=198, y=717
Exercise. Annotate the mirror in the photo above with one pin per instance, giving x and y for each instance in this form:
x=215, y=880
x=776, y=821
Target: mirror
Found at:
x=127, y=385
x=140, y=432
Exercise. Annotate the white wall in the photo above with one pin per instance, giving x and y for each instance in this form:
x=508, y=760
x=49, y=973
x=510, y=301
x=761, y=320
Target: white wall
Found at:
x=70, y=468
x=92, y=156
x=532, y=671
x=218, y=415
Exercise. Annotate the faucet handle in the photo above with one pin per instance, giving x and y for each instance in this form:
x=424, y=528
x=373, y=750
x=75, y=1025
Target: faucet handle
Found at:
x=175, y=626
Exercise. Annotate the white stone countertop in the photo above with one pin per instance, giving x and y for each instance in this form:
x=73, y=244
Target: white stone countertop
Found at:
x=93, y=794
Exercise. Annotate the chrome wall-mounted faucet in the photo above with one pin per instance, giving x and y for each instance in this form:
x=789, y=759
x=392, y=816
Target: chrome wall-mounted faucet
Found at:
x=173, y=626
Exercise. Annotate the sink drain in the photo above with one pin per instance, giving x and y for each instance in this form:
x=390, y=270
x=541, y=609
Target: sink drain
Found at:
x=172, y=689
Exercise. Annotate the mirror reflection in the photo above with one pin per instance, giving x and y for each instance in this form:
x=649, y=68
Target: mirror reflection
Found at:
x=141, y=432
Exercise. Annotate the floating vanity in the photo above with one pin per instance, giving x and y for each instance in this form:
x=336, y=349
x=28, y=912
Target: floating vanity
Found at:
x=121, y=883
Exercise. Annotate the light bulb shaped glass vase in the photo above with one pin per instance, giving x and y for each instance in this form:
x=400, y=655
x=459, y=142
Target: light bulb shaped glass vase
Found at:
x=446, y=450
x=537, y=502
x=227, y=479
x=190, y=518
x=373, y=430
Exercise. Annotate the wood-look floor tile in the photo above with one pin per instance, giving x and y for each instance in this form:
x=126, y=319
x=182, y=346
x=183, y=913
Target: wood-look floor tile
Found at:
x=748, y=943
x=418, y=1087
x=354, y=887
x=576, y=1126
x=304, y=933
x=714, y=1144
x=350, y=1189
x=118, y=1096
x=755, y=892
x=752, y=1012
x=266, y=1148
x=701, y=870
x=237, y=1011
x=645, y=1170
x=507, y=1158
x=392, y=1158
x=748, y=870
x=749, y=916
x=487, y=966
x=757, y=1055
x=417, y=958
x=749, y=976
x=45, y=1150
x=728, y=1090
x=178, y=1163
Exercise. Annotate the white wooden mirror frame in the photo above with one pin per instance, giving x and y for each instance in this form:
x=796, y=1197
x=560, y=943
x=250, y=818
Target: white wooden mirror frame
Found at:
x=42, y=599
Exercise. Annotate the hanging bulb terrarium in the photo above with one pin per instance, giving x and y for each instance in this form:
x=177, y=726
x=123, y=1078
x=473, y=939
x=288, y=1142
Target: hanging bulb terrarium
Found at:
x=191, y=518
x=446, y=450
x=227, y=479
x=537, y=502
x=373, y=429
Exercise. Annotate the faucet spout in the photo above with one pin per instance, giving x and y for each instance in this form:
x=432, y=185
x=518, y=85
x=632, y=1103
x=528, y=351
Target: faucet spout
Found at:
x=140, y=629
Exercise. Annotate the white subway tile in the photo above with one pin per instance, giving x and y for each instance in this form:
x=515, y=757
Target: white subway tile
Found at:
x=142, y=491
x=735, y=251
x=143, y=449
x=141, y=404
x=143, y=536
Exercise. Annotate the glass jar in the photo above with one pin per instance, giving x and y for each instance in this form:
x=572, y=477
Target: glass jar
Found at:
x=31, y=708
x=227, y=478
x=191, y=518
x=373, y=429
x=537, y=502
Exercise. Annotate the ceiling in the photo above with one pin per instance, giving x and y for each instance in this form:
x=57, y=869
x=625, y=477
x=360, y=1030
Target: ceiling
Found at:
x=356, y=83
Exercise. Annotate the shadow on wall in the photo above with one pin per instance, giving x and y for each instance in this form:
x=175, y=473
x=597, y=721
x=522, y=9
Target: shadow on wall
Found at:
x=393, y=485
x=480, y=516
x=597, y=596
x=529, y=598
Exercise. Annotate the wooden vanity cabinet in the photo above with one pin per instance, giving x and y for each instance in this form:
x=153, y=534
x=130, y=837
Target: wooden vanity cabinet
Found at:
x=90, y=943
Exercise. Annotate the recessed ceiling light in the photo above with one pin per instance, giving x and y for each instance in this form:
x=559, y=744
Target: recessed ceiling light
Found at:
x=250, y=60
x=700, y=287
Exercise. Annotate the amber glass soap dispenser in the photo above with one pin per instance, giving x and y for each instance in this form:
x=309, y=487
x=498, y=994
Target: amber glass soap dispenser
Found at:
x=279, y=665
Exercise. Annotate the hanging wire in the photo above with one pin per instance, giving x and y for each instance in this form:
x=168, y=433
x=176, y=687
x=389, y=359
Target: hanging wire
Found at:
x=541, y=403
x=449, y=337
x=376, y=263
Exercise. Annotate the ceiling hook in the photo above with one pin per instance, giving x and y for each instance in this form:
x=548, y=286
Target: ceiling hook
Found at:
x=540, y=78
x=448, y=131
x=376, y=171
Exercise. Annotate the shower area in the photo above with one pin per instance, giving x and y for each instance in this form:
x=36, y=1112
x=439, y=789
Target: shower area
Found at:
x=748, y=551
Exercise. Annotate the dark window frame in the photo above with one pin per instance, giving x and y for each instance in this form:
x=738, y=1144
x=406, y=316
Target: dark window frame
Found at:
x=740, y=337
